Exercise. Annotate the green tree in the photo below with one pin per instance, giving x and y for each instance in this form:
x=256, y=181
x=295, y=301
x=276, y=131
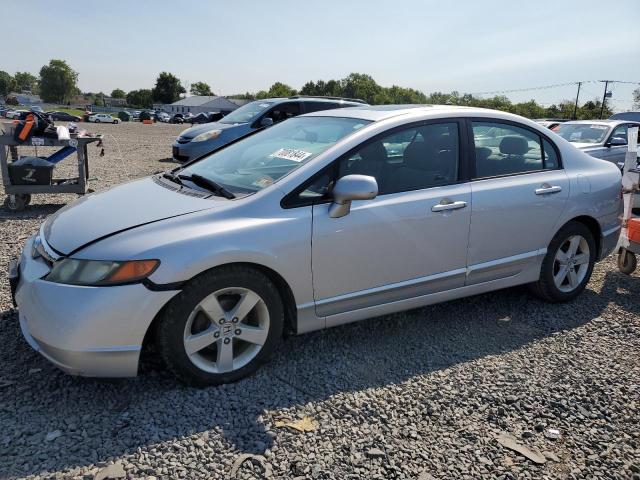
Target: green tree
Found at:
x=401, y=95
x=99, y=99
x=7, y=84
x=167, y=89
x=201, y=88
x=359, y=85
x=57, y=81
x=140, y=98
x=118, y=93
x=636, y=98
x=591, y=110
x=280, y=89
x=26, y=82
x=243, y=96
x=309, y=88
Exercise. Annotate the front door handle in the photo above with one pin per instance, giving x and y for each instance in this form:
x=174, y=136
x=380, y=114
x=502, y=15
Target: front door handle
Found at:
x=546, y=189
x=444, y=205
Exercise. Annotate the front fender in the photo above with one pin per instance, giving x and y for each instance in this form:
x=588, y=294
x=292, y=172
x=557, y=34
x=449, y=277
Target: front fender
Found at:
x=186, y=246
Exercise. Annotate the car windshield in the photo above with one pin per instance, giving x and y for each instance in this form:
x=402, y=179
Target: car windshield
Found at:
x=247, y=113
x=261, y=159
x=583, y=132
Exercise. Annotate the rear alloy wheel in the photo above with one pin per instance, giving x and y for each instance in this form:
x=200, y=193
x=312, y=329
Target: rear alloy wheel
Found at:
x=567, y=267
x=221, y=327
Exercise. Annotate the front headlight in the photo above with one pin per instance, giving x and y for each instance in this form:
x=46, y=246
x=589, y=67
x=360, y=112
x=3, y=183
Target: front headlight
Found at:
x=207, y=136
x=72, y=271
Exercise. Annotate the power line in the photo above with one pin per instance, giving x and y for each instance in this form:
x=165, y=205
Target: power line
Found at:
x=543, y=87
x=546, y=87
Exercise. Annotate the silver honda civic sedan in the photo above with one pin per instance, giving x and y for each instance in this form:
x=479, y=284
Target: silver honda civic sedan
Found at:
x=324, y=219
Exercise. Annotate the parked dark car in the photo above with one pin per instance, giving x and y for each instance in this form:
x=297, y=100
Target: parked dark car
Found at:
x=148, y=115
x=204, y=117
x=63, y=116
x=630, y=116
x=200, y=140
x=177, y=118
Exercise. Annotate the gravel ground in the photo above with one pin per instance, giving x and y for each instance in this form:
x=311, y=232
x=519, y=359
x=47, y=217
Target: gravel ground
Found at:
x=429, y=393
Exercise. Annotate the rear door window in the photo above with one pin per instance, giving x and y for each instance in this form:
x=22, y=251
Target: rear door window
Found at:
x=505, y=149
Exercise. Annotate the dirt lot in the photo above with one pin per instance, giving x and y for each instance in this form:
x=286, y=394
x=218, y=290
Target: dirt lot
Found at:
x=419, y=395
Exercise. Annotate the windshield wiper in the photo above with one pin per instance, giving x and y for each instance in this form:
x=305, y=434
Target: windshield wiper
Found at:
x=210, y=185
x=171, y=176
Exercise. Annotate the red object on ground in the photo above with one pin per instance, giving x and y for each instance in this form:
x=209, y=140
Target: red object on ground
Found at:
x=634, y=230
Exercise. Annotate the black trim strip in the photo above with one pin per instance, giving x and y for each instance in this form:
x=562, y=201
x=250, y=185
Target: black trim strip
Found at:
x=162, y=287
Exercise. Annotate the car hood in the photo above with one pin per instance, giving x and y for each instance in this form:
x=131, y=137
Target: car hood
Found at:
x=193, y=132
x=99, y=215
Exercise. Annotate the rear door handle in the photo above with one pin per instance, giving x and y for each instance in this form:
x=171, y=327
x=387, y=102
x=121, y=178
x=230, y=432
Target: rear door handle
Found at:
x=547, y=189
x=441, y=207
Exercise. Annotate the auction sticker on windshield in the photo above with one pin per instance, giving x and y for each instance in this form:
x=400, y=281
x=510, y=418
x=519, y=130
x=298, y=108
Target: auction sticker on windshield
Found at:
x=291, y=154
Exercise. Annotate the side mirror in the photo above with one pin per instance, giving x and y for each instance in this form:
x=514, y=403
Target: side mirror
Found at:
x=348, y=188
x=266, y=122
x=617, y=141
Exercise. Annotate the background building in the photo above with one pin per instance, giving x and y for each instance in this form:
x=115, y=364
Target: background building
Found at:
x=197, y=104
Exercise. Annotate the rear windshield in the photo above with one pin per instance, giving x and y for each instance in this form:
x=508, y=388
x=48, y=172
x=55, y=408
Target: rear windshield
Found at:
x=261, y=159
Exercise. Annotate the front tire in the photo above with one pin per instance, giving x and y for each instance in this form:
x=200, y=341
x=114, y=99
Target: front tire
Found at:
x=222, y=327
x=568, y=264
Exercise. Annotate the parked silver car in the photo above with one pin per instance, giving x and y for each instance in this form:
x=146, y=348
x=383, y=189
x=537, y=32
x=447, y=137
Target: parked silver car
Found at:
x=321, y=220
x=606, y=139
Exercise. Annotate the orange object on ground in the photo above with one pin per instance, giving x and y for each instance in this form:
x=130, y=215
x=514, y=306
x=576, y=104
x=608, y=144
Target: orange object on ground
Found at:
x=147, y=122
x=634, y=229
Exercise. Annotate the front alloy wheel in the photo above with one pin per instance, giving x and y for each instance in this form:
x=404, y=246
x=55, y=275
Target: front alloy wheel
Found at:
x=226, y=330
x=221, y=327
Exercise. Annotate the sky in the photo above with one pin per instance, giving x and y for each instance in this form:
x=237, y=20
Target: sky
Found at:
x=241, y=45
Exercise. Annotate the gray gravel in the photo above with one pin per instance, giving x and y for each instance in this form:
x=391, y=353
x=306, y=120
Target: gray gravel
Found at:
x=419, y=395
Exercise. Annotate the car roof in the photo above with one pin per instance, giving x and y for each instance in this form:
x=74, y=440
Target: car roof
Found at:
x=609, y=123
x=299, y=98
x=377, y=113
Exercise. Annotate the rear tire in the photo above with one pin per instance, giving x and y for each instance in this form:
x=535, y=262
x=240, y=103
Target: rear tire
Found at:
x=568, y=264
x=203, y=342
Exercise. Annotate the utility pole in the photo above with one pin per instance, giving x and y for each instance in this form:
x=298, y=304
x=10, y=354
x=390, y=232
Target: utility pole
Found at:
x=575, y=107
x=604, y=96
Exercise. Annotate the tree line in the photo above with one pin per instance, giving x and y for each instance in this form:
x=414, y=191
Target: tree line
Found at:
x=57, y=83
